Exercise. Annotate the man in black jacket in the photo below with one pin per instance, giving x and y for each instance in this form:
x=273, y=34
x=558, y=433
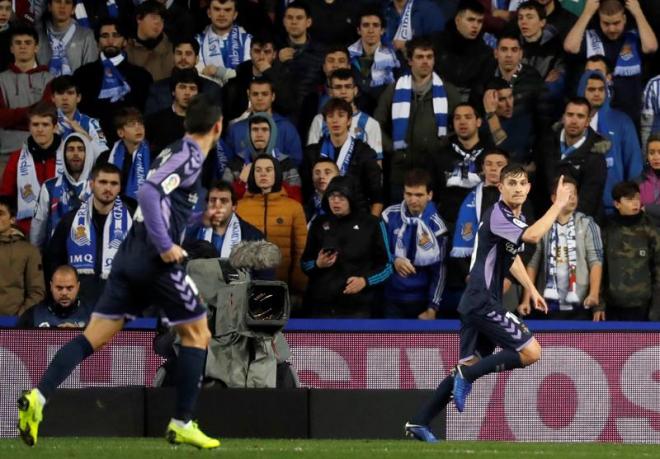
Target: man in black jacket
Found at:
x=262, y=63
x=573, y=148
x=353, y=157
x=88, y=238
x=346, y=257
x=111, y=82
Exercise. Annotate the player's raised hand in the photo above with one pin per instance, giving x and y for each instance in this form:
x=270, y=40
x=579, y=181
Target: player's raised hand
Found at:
x=175, y=255
x=538, y=301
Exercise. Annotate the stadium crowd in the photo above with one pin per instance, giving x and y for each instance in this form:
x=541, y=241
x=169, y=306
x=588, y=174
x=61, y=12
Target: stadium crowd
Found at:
x=362, y=137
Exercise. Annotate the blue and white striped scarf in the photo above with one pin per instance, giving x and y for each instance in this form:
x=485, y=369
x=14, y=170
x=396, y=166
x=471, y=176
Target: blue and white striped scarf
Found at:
x=405, y=31
x=416, y=240
x=113, y=85
x=359, y=132
x=80, y=12
x=343, y=161
x=64, y=197
x=231, y=239
x=403, y=93
x=227, y=53
x=81, y=245
x=59, y=62
x=629, y=61
x=384, y=61
x=139, y=168
x=467, y=224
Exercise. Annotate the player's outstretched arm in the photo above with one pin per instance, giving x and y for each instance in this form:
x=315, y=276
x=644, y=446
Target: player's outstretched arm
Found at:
x=534, y=233
x=520, y=273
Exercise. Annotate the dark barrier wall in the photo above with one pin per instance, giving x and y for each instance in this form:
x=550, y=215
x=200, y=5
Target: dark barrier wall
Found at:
x=593, y=385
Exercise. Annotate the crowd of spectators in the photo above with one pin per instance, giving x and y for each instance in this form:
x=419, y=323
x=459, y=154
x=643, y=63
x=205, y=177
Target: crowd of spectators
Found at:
x=363, y=137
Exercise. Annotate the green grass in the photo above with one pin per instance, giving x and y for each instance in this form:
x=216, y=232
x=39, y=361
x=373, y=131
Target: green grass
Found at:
x=127, y=448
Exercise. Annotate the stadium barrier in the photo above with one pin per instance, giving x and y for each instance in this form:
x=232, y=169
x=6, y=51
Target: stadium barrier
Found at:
x=598, y=382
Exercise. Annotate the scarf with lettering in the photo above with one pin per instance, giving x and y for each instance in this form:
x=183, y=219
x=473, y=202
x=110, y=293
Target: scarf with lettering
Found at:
x=139, y=168
x=551, y=291
x=232, y=236
x=384, y=61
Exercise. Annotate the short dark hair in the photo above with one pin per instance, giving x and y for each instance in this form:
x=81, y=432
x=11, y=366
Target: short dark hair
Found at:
x=9, y=203
x=370, y=11
x=467, y=104
x=473, y=5
x=325, y=159
x=263, y=38
x=508, y=35
x=654, y=137
x=262, y=80
x=185, y=76
x=150, y=7
x=577, y=100
x=23, y=29
x=567, y=179
x=342, y=74
x=107, y=168
x=422, y=43
x=202, y=114
x=63, y=83
x=222, y=185
x=611, y=7
x=125, y=115
x=496, y=151
x=108, y=21
x=186, y=41
x=336, y=49
x=418, y=177
x=512, y=169
x=299, y=5
x=625, y=190
x=45, y=109
x=598, y=58
x=335, y=104
x=498, y=84
x=258, y=119
x=65, y=269
x=532, y=5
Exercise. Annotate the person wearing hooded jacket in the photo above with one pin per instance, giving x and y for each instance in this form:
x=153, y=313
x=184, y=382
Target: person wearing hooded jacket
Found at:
x=65, y=192
x=346, y=256
x=281, y=219
x=262, y=139
x=624, y=158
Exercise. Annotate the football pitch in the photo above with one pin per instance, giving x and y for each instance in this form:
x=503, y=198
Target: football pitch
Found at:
x=127, y=448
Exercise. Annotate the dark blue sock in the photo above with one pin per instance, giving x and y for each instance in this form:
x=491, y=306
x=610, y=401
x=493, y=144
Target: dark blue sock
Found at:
x=66, y=359
x=437, y=403
x=507, y=359
x=189, y=381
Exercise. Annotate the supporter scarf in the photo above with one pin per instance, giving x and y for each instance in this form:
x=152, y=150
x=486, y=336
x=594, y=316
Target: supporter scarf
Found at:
x=317, y=201
x=401, y=108
x=426, y=250
x=81, y=244
x=227, y=53
x=405, y=31
x=465, y=173
x=139, y=168
x=80, y=12
x=467, y=224
x=568, y=150
x=65, y=197
x=64, y=127
x=384, y=61
x=113, y=86
x=28, y=184
x=221, y=159
x=232, y=237
x=59, y=61
x=629, y=61
x=345, y=153
x=551, y=291
x=358, y=126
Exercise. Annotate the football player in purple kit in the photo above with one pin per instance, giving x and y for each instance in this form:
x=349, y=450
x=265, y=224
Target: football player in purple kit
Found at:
x=147, y=270
x=485, y=323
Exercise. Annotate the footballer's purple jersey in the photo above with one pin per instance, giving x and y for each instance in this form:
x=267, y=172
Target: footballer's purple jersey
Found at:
x=499, y=240
x=169, y=194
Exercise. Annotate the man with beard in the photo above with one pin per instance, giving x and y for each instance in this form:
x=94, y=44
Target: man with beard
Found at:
x=64, y=309
x=222, y=227
x=65, y=192
x=457, y=163
x=106, y=216
x=165, y=126
x=111, y=82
